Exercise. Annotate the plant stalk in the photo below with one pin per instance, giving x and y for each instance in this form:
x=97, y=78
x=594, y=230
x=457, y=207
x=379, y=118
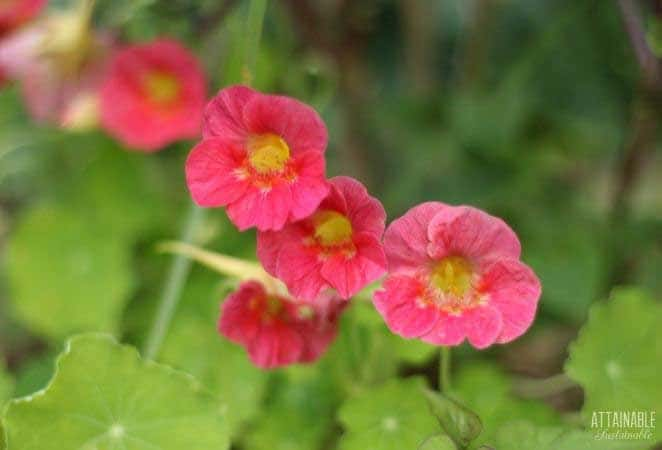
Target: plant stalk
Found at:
x=445, y=369
x=179, y=270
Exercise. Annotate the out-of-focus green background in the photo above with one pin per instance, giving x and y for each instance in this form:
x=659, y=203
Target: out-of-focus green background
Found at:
x=536, y=111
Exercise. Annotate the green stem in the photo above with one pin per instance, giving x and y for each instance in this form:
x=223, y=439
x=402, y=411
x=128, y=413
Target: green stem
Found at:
x=254, y=22
x=179, y=270
x=445, y=369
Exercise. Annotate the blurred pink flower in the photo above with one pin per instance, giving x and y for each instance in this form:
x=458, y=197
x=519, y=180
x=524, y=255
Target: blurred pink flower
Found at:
x=454, y=272
x=14, y=13
x=153, y=94
x=60, y=65
x=262, y=157
x=276, y=331
x=337, y=247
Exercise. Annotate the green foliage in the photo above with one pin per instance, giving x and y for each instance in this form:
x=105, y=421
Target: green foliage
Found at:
x=223, y=367
x=460, y=423
x=523, y=435
x=298, y=414
x=104, y=396
x=487, y=391
x=65, y=275
x=617, y=357
x=438, y=442
x=393, y=416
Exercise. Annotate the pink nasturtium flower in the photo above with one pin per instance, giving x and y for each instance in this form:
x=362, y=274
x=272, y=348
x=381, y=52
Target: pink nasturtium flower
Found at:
x=14, y=13
x=275, y=330
x=262, y=157
x=337, y=247
x=454, y=272
x=153, y=95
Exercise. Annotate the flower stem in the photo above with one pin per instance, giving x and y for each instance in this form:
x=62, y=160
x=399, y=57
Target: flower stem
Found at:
x=254, y=22
x=179, y=270
x=445, y=369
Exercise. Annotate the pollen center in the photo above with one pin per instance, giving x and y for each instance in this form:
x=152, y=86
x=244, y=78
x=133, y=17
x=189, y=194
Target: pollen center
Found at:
x=332, y=228
x=161, y=87
x=268, y=153
x=452, y=276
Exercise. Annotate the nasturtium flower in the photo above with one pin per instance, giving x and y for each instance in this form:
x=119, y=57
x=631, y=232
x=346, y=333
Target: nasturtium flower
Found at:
x=262, y=157
x=277, y=330
x=14, y=13
x=337, y=247
x=153, y=95
x=455, y=273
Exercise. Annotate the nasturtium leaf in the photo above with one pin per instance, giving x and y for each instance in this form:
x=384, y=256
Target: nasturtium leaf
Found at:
x=438, y=442
x=223, y=367
x=104, y=397
x=487, y=391
x=617, y=357
x=65, y=275
x=298, y=412
x=458, y=421
x=523, y=435
x=393, y=416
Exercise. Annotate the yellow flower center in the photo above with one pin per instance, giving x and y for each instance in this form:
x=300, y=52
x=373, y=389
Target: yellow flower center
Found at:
x=452, y=276
x=268, y=153
x=161, y=87
x=332, y=228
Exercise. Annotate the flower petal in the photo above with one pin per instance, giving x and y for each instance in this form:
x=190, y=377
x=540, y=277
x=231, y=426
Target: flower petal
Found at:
x=514, y=290
x=211, y=173
x=310, y=187
x=224, y=114
x=406, y=238
x=399, y=304
x=263, y=209
x=269, y=244
x=276, y=345
x=299, y=268
x=482, y=325
x=449, y=331
x=365, y=212
x=472, y=233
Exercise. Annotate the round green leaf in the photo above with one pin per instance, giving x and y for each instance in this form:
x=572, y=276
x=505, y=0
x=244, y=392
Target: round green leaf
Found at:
x=65, y=276
x=617, y=357
x=104, y=397
x=394, y=416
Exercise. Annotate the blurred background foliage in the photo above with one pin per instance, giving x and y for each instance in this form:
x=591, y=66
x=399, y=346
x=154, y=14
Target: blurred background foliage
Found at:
x=534, y=111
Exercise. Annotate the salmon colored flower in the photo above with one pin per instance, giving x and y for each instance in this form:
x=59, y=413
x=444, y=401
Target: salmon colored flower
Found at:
x=454, y=272
x=153, y=95
x=337, y=247
x=14, y=13
x=275, y=330
x=262, y=157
